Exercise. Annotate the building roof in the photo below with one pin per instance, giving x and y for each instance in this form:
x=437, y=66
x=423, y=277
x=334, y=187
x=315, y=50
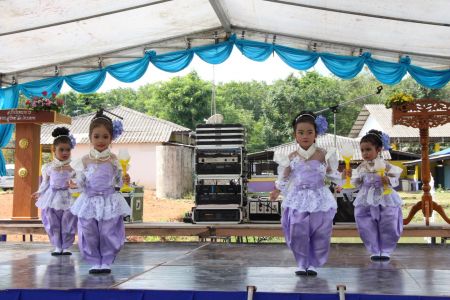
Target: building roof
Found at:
x=327, y=142
x=432, y=158
x=138, y=128
x=383, y=117
x=442, y=152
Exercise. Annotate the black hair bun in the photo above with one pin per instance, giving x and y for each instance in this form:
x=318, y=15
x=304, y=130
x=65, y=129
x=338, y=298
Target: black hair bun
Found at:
x=304, y=114
x=377, y=132
x=58, y=131
x=100, y=114
x=308, y=113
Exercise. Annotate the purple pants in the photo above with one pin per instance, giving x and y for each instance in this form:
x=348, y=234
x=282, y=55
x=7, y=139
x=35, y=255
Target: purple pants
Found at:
x=100, y=241
x=60, y=226
x=380, y=227
x=308, y=235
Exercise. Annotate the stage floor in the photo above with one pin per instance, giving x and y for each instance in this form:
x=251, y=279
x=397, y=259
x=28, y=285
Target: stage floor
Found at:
x=413, y=270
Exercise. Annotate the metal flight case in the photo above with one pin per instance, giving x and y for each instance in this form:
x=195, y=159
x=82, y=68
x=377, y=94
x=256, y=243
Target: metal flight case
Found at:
x=215, y=136
x=135, y=200
x=221, y=173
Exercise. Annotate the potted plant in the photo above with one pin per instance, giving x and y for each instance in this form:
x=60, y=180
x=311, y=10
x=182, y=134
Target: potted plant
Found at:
x=399, y=99
x=45, y=103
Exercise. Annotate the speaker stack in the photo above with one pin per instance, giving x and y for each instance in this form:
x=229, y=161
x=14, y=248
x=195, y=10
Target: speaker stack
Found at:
x=221, y=169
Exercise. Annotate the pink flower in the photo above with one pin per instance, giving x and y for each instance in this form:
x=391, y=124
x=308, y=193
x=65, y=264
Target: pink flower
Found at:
x=60, y=102
x=28, y=102
x=53, y=95
x=44, y=93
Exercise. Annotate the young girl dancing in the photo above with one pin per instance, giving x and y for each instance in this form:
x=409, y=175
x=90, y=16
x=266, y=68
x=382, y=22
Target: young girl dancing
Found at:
x=378, y=212
x=100, y=209
x=53, y=196
x=309, y=205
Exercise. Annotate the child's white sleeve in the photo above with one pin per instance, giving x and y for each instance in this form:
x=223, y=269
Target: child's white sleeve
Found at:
x=393, y=173
x=78, y=173
x=356, y=179
x=284, y=171
x=45, y=183
x=332, y=163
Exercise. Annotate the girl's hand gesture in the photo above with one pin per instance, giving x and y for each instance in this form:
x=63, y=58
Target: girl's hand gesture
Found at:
x=347, y=173
x=34, y=196
x=274, y=195
x=385, y=180
x=126, y=179
x=72, y=184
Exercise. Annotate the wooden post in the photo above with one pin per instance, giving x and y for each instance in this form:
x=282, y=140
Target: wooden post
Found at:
x=27, y=155
x=423, y=114
x=26, y=176
x=427, y=200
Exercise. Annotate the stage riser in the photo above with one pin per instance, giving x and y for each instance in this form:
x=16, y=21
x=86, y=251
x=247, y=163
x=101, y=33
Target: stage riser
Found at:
x=183, y=229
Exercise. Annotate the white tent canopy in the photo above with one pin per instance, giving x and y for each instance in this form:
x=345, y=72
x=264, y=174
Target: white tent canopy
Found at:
x=44, y=38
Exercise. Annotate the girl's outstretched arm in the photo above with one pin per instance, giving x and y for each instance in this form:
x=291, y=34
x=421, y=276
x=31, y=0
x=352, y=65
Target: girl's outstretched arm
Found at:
x=45, y=184
x=284, y=171
x=332, y=163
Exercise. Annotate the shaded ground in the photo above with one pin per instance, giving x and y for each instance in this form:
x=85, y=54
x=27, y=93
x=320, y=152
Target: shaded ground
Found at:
x=155, y=210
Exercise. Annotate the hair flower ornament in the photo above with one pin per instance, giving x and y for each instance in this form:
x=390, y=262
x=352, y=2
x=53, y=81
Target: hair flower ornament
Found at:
x=73, y=141
x=386, y=141
x=321, y=125
x=117, y=128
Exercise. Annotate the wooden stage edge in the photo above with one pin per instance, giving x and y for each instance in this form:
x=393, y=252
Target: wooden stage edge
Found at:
x=221, y=230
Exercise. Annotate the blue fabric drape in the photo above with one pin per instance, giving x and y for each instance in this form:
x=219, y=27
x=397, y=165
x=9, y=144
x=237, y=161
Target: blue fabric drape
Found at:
x=387, y=72
x=253, y=50
x=173, y=62
x=9, y=98
x=86, y=82
x=216, y=54
x=345, y=67
x=132, y=70
x=432, y=78
x=295, y=58
x=35, y=88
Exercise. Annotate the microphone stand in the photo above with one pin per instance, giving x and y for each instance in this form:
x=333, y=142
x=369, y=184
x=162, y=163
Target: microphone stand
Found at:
x=335, y=108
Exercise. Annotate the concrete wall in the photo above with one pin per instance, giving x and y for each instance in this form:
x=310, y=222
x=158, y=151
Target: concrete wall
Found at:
x=142, y=162
x=174, y=171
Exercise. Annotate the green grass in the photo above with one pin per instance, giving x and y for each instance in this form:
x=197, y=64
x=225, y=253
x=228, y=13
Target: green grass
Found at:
x=411, y=198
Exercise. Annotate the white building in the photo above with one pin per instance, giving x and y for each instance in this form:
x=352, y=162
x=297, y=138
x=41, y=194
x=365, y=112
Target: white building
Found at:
x=161, y=155
x=377, y=116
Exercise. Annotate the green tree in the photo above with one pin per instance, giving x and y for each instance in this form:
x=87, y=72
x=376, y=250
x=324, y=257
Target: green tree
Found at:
x=288, y=97
x=246, y=95
x=182, y=100
x=241, y=102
